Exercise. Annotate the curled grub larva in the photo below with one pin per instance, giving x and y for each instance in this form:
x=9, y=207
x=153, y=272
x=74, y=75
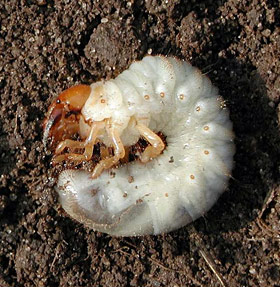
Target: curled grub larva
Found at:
x=172, y=184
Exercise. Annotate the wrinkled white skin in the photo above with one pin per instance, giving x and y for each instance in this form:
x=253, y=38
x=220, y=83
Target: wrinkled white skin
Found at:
x=178, y=186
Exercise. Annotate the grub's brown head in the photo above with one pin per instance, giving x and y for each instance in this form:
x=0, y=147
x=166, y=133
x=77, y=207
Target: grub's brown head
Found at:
x=62, y=118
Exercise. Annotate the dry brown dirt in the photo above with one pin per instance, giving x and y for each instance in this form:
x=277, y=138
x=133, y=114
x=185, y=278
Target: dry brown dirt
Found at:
x=47, y=46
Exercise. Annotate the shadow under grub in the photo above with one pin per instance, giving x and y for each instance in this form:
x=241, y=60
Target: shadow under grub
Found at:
x=255, y=174
x=255, y=124
x=257, y=143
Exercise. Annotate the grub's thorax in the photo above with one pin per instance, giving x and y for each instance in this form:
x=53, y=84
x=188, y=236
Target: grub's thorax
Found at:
x=96, y=113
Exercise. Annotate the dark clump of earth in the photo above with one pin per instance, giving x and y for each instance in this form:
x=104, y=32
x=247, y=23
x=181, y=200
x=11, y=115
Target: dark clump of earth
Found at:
x=47, y=46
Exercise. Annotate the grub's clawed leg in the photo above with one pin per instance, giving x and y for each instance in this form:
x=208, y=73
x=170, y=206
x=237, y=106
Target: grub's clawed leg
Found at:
x=87, y=145
x=71, y=144
x=150, y=152
x=157, y=144
x=107, y=161
x=119, y=151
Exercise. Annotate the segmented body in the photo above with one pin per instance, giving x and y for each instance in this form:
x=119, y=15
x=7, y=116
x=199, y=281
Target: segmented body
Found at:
x=177, y=186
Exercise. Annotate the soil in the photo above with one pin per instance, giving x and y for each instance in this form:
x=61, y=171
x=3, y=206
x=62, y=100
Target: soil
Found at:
x=47, y=46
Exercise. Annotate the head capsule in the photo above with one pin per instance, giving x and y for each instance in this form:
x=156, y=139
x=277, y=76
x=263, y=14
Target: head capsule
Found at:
x=62, y=119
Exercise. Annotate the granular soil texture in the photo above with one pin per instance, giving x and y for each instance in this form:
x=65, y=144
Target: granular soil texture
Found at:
x=47, y=46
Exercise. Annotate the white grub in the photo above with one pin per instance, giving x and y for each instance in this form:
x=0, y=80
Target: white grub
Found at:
x=174, y=188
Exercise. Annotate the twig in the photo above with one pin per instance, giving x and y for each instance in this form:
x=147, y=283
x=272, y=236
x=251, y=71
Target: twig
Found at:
x=207, y=257
x=209, y=260
x=55, y=258
x=266, y=229
x=269, y=197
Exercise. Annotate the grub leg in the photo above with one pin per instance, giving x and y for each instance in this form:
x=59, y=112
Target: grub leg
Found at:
x=87, y=144
x=119, y=151
x=71, y=144
x=157, y=144
x=125, y=159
